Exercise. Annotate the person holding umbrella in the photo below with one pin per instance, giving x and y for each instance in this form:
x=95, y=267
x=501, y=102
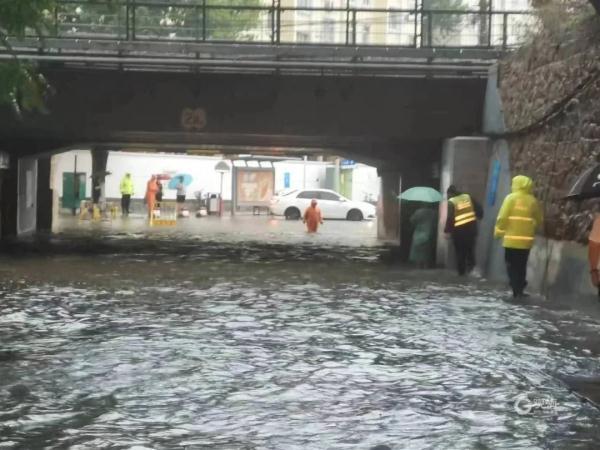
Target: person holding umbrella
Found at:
x=461, y=226
x=180, y=182
x=594, y=248
x=423, y=221
x=151, y=190
x=518, y=219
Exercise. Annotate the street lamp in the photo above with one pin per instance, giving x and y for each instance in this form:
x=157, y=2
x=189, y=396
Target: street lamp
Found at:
x=221, y=167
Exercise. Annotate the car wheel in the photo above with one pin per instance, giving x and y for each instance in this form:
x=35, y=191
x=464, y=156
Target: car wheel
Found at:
x=355, y=215
x=292, y=213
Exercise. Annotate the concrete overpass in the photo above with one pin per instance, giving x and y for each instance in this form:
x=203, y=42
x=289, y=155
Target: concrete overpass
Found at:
x=396, y=124
x=391, y=107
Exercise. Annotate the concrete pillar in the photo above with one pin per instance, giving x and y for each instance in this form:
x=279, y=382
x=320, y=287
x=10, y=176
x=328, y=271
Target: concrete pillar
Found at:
x=99, y=162
x=8, y=199
x=388, y=207
x=499, y=186
x=45, y=196
x=27, y=195
x=18, y=201
x=499, y=176
x=465, y=162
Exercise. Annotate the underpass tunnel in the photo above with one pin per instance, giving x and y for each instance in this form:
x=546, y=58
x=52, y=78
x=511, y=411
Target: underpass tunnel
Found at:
x=66, y=177
x=62, y=188
x=397, y=126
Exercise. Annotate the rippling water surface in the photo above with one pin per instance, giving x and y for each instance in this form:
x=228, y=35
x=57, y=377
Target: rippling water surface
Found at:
x=257, y=346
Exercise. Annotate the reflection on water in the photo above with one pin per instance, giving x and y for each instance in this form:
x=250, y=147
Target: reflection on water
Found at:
x=267, y=346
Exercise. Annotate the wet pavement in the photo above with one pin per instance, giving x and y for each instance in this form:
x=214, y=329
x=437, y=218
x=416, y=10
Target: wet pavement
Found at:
x=266, y=338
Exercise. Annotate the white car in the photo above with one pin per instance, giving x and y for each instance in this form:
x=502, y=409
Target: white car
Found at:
x=292, y=205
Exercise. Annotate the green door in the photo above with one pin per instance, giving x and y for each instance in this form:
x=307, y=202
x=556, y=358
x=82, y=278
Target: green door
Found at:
x=346, y=183
x=73, y=189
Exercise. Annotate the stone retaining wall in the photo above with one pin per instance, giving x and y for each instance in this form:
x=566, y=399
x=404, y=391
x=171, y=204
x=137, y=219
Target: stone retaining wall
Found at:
x=550, y=95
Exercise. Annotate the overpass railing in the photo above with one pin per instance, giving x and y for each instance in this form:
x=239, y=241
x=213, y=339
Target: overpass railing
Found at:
x=274, y=23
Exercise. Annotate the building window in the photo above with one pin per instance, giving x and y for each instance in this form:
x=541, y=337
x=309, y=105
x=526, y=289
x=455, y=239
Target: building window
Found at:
x=365, y=34
x=303, y=3
x=395, y=21
x=360, y=3
x=328, y=33
x=302, y=36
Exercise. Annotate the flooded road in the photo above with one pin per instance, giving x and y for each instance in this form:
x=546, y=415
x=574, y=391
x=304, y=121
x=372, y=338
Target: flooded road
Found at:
x=198, y=342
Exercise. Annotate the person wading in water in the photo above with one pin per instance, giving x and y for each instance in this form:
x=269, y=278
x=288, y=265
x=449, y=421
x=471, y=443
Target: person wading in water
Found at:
x=312, y=217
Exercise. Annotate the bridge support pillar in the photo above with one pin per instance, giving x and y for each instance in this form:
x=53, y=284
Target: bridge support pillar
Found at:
x=45, y=197
x=465, y=162
x=8, y=199
x=19, y=201
x=99, y=161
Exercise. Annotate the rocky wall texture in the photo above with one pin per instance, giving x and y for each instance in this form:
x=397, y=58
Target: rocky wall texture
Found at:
x=551, y=100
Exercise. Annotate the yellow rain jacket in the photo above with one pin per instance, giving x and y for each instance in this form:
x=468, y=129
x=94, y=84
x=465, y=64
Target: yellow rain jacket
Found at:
x=520, y=215
x=126, y=186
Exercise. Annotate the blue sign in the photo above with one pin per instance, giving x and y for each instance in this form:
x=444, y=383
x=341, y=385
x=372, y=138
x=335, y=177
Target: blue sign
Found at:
x=286, y=180
x=495, y=178
x=347, y=162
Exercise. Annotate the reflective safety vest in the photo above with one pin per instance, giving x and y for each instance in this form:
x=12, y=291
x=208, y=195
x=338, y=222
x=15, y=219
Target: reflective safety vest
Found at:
x=464, y=211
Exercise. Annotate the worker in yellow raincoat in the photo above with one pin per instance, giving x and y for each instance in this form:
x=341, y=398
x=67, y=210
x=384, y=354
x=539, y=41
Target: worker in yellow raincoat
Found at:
x=519, y=217
x=126, y=188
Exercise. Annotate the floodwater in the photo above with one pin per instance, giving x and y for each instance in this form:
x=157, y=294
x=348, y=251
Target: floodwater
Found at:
x=173, y=339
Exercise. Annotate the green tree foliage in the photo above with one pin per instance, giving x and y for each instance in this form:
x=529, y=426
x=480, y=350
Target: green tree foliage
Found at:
x=20, y=84
x=224, y=20
x=25, y=89
x=439, y=27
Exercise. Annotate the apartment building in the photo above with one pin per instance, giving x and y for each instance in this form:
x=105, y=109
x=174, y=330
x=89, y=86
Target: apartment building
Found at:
x=394, y=22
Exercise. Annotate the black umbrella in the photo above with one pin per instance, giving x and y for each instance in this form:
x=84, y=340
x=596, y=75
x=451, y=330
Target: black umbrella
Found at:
x=587, y=185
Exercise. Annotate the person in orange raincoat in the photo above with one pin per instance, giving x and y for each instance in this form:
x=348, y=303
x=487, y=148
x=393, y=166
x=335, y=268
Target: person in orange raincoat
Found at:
x=594, y=249
x=151, y=190
x=312, y=217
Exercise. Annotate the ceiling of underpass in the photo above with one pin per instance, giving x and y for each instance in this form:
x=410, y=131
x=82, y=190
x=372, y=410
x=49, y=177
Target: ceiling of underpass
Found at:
x=379, y=121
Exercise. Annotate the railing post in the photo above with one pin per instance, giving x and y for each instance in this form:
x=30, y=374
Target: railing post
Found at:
x=504, y=30
x=133, y=26
x=354, y=27
x=127, y=20
x=272, y=21
x=197, y=23
x=490, y=23
x=56, y=20
x=416, y=35
x=422, y=33
x=278, y=34
x=347, y=22
x=204, y=21
x=429, y=28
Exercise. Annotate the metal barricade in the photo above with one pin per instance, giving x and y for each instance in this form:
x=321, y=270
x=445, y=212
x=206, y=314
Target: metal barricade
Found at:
x=164, y=214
